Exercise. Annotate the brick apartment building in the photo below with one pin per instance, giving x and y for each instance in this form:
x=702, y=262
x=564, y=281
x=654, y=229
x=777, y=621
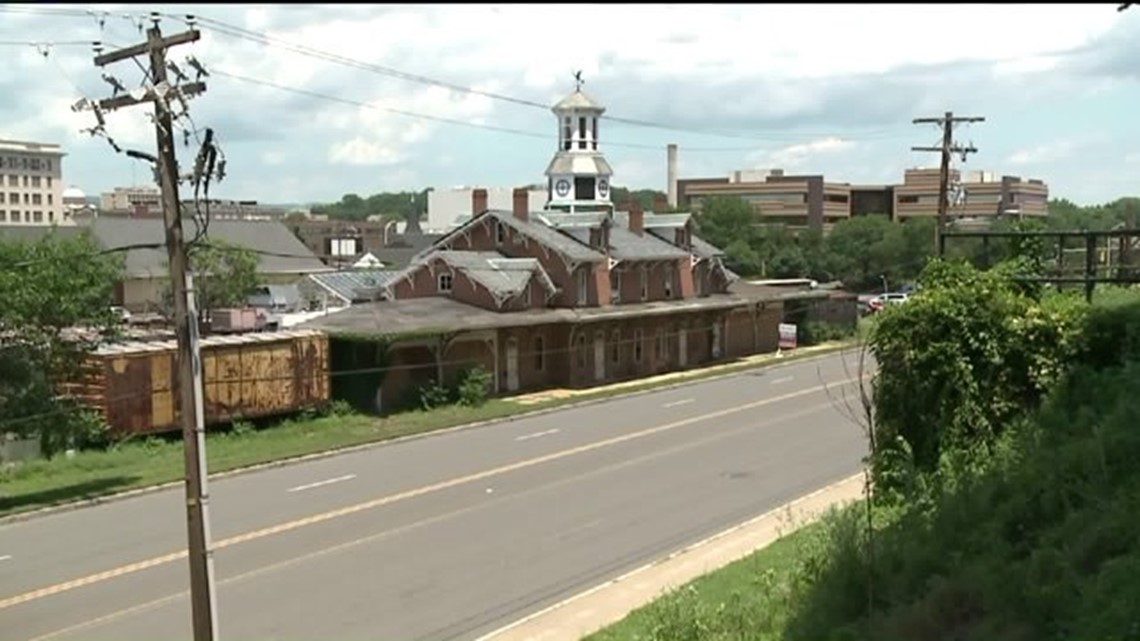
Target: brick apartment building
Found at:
x=810, y=201
x=573, y=295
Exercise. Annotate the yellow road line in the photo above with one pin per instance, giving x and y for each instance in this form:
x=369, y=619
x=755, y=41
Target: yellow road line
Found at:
x=401, y=496
x=376, y=536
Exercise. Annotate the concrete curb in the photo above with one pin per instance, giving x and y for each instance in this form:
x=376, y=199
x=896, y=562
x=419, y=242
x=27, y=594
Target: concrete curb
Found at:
x=304, y=458
x=516, y=629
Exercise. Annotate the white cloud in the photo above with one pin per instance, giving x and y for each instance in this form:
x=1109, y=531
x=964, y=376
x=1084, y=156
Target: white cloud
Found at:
x=758, y=70
x=800, y=155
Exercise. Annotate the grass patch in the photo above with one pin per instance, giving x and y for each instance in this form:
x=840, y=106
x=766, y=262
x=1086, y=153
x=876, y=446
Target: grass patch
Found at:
x=748, y=599
x=141, y=463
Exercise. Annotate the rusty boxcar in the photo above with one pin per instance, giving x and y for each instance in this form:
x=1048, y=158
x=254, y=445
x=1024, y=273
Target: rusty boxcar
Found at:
x=134, y=384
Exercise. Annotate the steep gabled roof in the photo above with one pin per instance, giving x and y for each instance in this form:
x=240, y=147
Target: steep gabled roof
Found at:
x=278, y=250
x=532, y=229
x=502, y=276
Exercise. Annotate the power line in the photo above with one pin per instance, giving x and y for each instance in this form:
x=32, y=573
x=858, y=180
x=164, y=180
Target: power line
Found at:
x=165, y=95
x=261, y=38
x=441, y=119
x=223, y=28
x=948, y=147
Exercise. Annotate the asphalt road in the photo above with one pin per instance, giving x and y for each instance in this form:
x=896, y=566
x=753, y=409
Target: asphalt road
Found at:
x=446, y=537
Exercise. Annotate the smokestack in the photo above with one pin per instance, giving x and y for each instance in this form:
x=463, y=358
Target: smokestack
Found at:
x=636, y=217
x=478, y=201
x=522, y=203
x=671, y=173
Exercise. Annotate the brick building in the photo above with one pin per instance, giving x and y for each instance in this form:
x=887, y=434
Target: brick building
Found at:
x=576, y=294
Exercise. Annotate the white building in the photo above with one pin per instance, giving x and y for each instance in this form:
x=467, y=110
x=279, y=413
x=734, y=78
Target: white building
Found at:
x=31, y=185
x=131, y=199
x=446, y=208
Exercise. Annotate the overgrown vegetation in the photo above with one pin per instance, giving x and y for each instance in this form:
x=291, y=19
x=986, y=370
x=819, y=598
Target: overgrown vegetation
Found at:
x=870, y=253
x=55, y=305
x=1004, y=423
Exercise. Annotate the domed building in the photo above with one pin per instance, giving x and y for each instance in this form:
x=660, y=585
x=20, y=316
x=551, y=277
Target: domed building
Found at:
x=75, y=205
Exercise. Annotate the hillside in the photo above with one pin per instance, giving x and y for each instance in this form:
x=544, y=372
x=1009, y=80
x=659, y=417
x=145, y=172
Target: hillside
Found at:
x=1007, y=486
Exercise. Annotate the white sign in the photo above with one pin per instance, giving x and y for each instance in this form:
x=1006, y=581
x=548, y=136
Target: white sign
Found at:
x=787, y=336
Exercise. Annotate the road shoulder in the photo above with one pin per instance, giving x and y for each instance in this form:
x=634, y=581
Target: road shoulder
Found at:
x=608, y=603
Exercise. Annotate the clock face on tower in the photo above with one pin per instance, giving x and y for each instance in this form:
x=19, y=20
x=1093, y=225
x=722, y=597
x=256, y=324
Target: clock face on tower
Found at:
x=603, y=187
x=562, y=187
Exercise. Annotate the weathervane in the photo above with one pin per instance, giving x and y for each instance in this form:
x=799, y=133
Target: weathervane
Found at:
x=578, y=82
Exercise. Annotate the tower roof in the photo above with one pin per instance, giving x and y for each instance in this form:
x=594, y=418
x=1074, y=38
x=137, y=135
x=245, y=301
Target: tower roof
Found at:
x=579, y=100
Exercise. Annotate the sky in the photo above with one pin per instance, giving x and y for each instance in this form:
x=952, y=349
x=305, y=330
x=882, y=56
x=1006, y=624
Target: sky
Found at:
x=403, y=97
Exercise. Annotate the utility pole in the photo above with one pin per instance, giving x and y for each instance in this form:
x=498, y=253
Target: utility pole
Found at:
x=947, y=147
x=160, y=92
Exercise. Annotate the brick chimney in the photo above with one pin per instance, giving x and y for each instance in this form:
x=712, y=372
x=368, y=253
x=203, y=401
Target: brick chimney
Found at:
x=660, y=204
x=636, y=218
x=478, y=201
x=521, y=206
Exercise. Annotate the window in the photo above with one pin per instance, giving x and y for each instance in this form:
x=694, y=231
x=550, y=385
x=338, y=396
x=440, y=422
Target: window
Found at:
x=908, y=200
x=51, y=216
x=500, y=232
x=13, y=181
x=644, y=283
x=566, y=134
x=1, y=198
x=527, y=298
x=49, y=178
x=595, y=139
x=638, y=339
x=3, y=216
x=37, y=217
x=615, y=286
x=27, y=198
x=25, y=179
x=37, y=199
x=584, y=188
x=49, y=198
x=583, y=285
x=581, y=343
x=444, y=283
x=669, y=281
x=581, y=132
x=662, y=353
x=343, y=246
x=539, y=353
x=35, y=181
x=615, y=346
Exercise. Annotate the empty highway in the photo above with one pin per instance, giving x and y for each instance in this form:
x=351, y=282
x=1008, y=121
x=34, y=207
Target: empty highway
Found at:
x=445, y=537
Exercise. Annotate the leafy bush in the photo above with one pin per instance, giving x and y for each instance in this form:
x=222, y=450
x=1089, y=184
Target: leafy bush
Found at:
x=815, y=332
x=961, y=360
x=474, y=386
x=1041, y=545
x=433, y=395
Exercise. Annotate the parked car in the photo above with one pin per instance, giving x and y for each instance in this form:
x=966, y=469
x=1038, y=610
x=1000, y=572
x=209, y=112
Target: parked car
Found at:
x=877, y=303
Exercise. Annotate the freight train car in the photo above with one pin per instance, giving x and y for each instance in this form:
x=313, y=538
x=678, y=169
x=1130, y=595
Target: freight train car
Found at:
x=134, y=384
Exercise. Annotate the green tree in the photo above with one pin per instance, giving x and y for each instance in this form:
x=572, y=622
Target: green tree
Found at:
x=55, y=306
x=389, y=205
x=224, y=274
x=865, y=249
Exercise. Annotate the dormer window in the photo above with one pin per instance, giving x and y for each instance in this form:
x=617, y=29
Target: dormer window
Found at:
x=669, y=281
x=500, y=233
x=444, y=283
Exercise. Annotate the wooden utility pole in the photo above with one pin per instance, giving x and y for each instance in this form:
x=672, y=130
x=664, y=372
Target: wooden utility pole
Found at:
x=947, y=147
x=160, y=92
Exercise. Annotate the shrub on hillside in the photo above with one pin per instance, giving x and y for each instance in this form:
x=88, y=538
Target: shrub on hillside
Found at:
x=964, y=357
